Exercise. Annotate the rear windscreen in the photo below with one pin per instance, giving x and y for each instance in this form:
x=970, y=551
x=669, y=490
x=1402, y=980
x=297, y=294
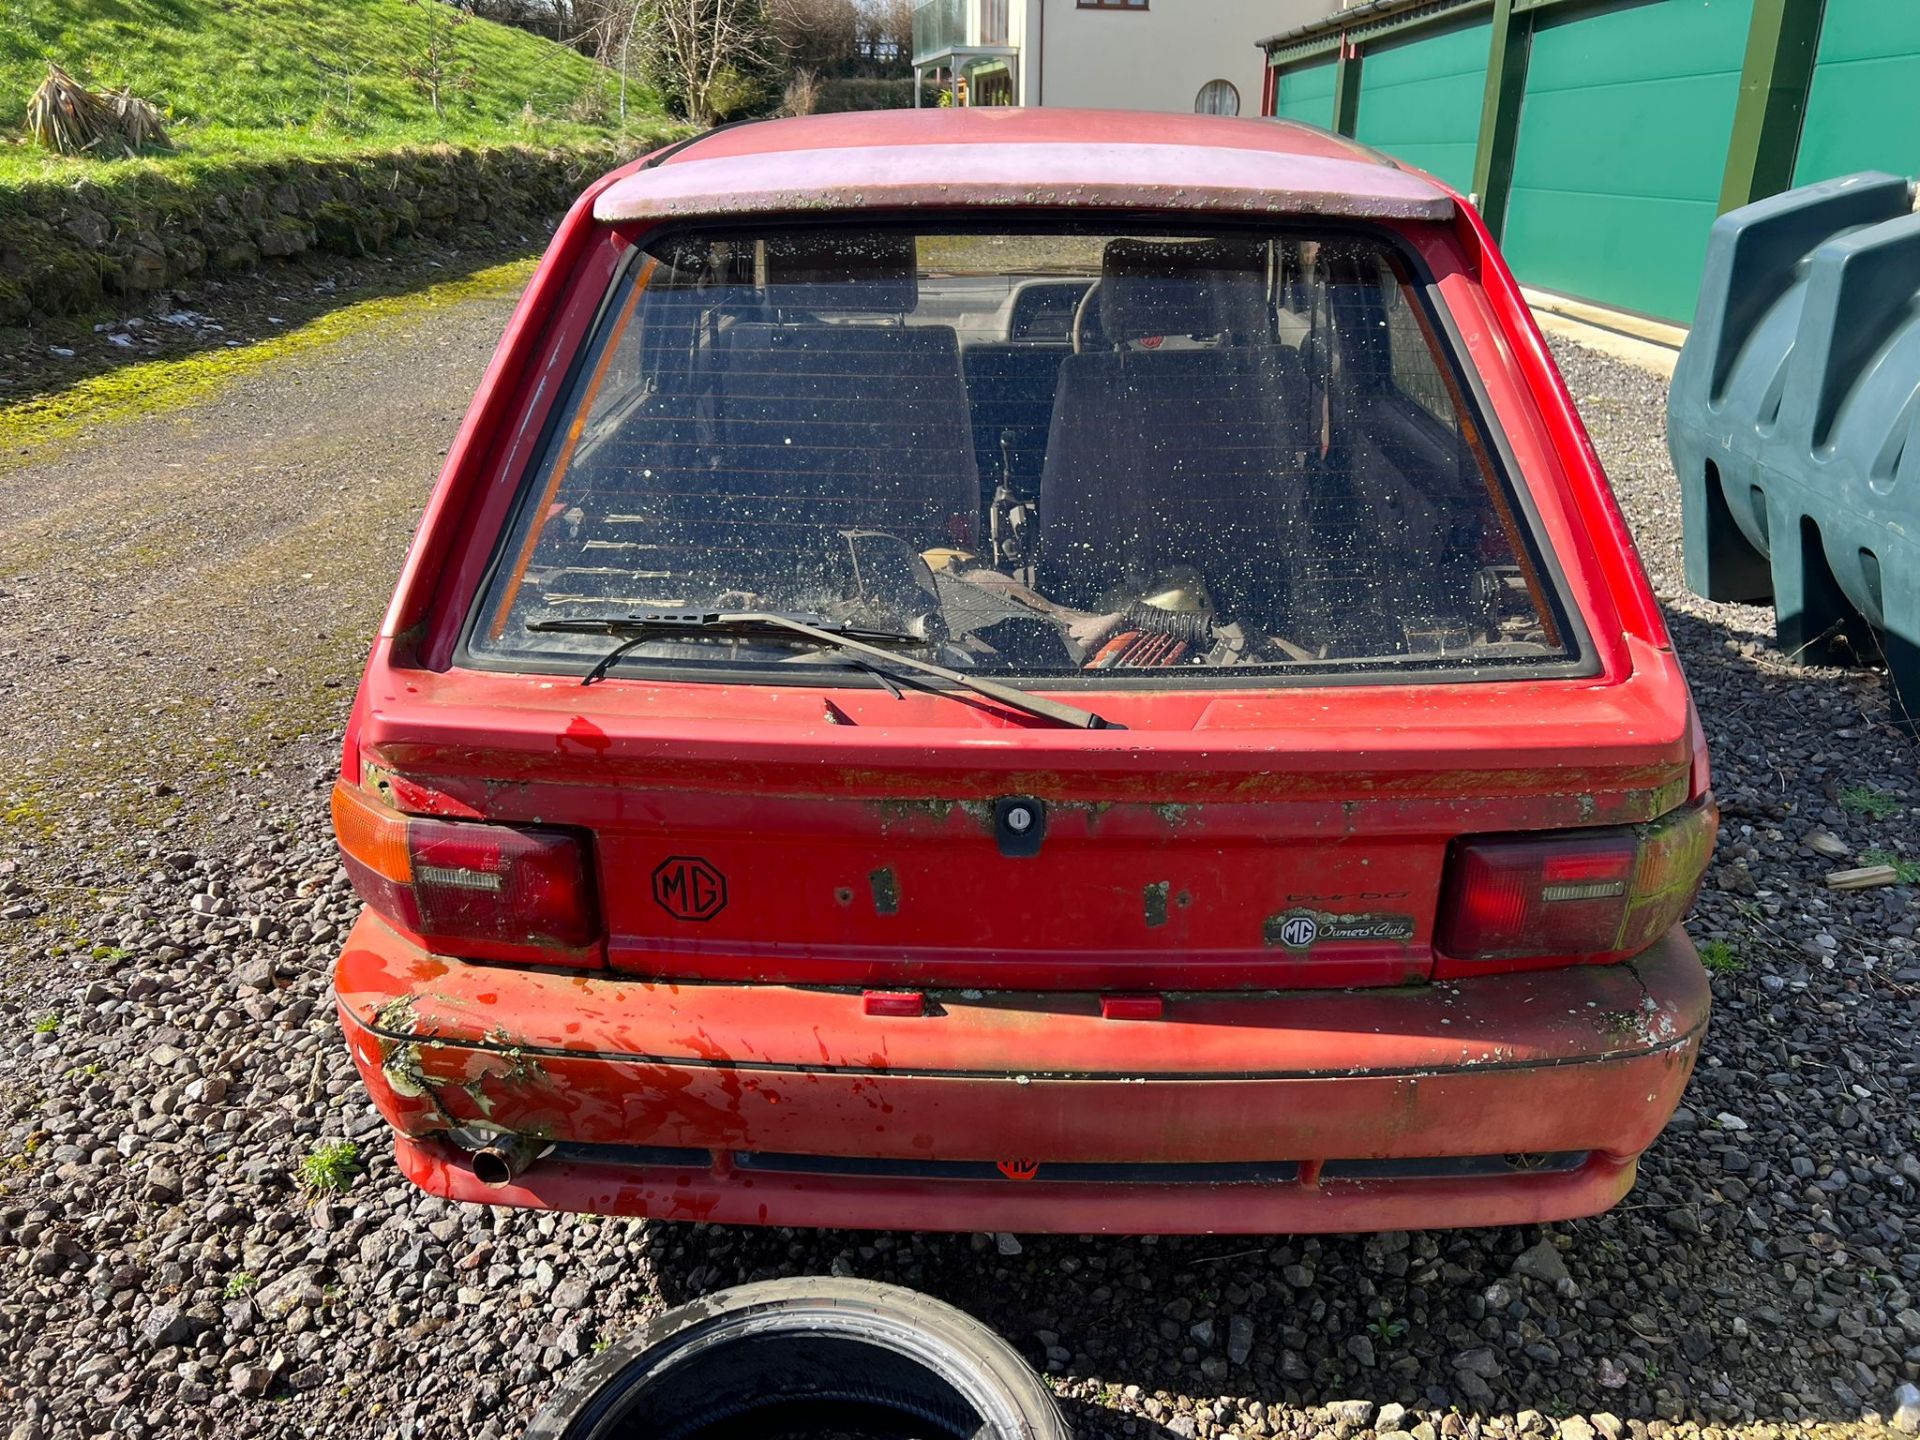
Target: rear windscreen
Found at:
x=1030, y=455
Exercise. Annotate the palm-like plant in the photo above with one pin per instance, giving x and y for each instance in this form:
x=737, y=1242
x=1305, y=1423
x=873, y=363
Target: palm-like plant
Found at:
x=64, y=115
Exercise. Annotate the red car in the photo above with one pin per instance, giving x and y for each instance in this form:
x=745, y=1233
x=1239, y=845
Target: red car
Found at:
x=1024, y=670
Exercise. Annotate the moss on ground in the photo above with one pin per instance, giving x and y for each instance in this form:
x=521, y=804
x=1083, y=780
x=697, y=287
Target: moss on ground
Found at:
x=29, y=426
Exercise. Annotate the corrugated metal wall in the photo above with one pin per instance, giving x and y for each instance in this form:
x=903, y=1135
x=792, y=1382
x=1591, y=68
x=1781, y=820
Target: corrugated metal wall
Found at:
x=1620, y=128
x=1420, y=99
x=1624, y=128
x=1863, y=109
x=1306, y=93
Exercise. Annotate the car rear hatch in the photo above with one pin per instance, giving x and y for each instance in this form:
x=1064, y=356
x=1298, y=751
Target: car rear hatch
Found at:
x=742, y=834
x=1393, y=648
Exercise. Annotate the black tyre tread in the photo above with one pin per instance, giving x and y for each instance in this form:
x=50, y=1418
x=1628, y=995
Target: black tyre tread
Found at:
x=978, y=1347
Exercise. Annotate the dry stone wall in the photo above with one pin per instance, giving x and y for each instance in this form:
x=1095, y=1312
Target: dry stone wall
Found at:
x=67, y=248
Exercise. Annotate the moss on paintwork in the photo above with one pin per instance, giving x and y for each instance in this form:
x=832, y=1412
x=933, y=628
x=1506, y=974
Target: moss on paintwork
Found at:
x=29, y=426
x=396, y=1016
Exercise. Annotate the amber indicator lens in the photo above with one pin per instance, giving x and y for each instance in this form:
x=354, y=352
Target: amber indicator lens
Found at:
x=471, y=889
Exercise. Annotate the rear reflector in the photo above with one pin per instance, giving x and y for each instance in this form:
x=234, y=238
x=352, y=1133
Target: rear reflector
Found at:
x=1132, y=1007
x=466, y=888
x=1576, y=895
x=893, y=1002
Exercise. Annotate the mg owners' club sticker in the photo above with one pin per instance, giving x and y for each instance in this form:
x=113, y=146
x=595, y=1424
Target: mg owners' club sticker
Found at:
x=1303, y=929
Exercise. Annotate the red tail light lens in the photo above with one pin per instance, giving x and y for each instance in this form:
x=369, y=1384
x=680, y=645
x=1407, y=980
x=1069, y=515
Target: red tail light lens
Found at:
x=480, y=891
x=1580, y=895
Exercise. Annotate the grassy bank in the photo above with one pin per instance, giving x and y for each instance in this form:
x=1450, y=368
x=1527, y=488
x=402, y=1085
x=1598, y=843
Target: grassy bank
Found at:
x=347, y=126
x=247, y=80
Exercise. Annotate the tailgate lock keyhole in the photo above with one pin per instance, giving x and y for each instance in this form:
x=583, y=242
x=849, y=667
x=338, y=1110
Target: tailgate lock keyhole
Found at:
x=1019, y=825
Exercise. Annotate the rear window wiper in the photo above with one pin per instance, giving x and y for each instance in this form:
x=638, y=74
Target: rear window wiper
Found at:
x=634, y=630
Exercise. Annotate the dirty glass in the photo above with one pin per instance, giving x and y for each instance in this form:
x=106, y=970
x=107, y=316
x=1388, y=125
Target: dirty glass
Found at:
x=1024, y=454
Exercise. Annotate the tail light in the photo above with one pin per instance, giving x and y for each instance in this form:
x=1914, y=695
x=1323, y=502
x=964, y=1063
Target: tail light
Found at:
x=466, y=888
x=1579, y=895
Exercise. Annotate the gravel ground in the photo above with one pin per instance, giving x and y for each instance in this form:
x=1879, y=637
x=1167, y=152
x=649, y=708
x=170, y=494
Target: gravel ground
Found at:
x=186, y=600
x=172, y=1076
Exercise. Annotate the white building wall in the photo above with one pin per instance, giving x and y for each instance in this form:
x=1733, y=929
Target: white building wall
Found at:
x=1157, y=58
x=1023, y=29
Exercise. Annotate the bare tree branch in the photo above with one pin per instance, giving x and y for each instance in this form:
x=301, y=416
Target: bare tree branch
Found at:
x=709, y=58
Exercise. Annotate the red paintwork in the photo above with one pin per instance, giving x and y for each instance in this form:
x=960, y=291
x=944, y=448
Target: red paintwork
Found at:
x=1240, y=803
x=1588, y=1058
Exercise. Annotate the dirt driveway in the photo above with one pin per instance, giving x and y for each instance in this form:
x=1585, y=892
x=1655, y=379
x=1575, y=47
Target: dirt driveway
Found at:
x=184, y=600
x=186, y=597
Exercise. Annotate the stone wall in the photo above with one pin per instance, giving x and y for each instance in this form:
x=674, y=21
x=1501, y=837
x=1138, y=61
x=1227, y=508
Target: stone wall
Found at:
x=73, y=248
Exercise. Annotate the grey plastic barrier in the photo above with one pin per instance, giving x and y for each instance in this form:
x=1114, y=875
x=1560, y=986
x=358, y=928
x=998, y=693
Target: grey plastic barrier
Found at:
x=1793, y=419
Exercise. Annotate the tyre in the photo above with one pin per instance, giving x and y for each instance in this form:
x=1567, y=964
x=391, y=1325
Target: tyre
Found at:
x=806, y=1359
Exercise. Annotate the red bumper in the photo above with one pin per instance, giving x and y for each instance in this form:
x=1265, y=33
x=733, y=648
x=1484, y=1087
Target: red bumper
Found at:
x=1496, y=1101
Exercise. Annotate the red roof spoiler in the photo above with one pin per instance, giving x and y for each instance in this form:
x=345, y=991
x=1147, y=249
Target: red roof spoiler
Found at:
x=1134, y=176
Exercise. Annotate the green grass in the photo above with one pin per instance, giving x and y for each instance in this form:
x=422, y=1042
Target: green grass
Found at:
x=240, y=1283
x=257, y=78
x=1387, y=1329
x=1720, y=958
x=1908, y=871
x=46, y=1024
x=1868, y=801
x=331, y=1167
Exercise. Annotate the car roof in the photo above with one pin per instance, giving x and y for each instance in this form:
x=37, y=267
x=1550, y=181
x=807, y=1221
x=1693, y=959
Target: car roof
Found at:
x=1021, y=157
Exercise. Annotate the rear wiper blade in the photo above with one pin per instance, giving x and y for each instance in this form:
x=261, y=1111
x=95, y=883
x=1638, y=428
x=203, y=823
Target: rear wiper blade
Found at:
x=633, y=630
x=720, y=624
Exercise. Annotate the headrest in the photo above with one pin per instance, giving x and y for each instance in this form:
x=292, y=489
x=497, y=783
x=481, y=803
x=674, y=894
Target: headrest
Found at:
x=845, y=271
x=1182, y=287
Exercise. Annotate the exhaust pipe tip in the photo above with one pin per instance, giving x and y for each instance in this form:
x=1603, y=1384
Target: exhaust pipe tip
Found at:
x=505, y=1159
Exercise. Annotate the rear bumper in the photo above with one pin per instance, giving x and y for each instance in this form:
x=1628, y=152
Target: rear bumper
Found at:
x=1504, y=1100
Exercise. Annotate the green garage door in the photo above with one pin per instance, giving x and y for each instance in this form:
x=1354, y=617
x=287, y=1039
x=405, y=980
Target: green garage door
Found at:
x=1863, y=112
x=1624, y=128
x=1420, y=99
x=1306, y=93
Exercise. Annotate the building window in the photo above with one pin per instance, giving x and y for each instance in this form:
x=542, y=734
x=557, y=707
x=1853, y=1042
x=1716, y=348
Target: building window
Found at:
x=1217, y=97
x=1112, y=4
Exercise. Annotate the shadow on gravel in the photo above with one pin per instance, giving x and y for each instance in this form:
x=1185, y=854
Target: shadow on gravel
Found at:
x=1743, y=640
x=1195, y=1336
x=201, y=315
x=1098, y=1422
